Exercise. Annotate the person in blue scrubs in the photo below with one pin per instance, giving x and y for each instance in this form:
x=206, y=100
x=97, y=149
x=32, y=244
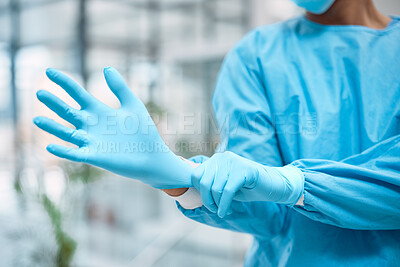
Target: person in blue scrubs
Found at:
x=324, y=93
x=309, y=113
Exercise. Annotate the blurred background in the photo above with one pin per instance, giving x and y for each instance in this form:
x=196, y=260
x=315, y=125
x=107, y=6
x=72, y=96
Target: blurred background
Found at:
x=56, y=213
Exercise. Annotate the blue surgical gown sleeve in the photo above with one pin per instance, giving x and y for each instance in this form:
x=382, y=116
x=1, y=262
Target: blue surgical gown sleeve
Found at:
x=243, y=116
x=360, y=192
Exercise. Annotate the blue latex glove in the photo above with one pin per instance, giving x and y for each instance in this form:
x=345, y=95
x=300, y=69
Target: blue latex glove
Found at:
x=124, y=141
x=227, y=176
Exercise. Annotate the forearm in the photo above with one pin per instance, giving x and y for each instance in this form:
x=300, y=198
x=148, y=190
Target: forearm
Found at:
x=361, y=192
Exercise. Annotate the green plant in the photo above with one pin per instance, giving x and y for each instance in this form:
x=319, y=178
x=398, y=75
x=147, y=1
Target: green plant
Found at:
x=81, y=172
x=66, y=245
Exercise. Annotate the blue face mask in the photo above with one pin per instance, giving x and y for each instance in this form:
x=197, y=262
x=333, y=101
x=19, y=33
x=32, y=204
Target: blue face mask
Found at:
x=315, y=6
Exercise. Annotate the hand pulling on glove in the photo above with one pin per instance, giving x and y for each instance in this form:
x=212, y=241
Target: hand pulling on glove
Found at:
x=226, y=177
x=124, y=141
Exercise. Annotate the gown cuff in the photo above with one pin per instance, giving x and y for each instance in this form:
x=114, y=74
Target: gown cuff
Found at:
x=189, y=200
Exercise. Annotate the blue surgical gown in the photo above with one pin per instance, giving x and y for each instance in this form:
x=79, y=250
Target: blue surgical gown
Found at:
x=325, y=99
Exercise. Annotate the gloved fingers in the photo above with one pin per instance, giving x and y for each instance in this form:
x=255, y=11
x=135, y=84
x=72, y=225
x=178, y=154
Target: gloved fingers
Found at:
x=206, y=183
x=59, y=107
x=77, y=92
x=218, y=186
x=67, y=134
x=234, y=184
x=73, y=154
x=118, y=86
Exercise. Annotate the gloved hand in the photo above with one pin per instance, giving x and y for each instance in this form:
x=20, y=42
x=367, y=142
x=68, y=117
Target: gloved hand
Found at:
x=124, y=141
x=227, y=176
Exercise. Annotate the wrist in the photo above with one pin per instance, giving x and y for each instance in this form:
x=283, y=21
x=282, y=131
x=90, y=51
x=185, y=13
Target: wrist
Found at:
x=175, y=192
x=294, y=179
